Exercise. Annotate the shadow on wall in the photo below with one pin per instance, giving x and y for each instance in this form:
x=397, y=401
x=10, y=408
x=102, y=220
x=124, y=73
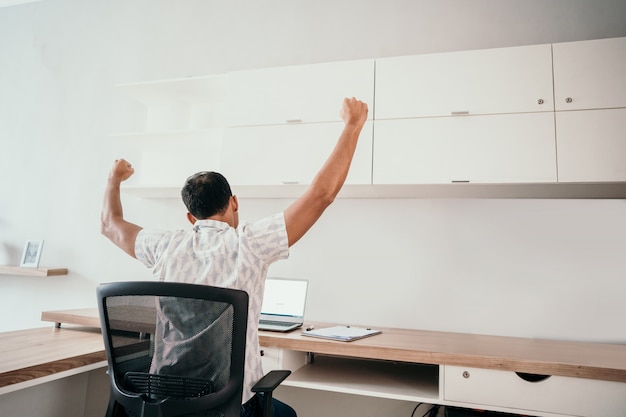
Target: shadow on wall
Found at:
x=10, y=254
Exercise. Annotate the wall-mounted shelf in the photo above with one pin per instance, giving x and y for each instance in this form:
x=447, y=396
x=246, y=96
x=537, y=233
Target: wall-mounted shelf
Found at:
x=615, y=190
x=33, y=272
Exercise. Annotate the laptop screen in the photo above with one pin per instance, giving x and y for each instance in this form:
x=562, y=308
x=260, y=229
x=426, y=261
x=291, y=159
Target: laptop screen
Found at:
x=284, y=297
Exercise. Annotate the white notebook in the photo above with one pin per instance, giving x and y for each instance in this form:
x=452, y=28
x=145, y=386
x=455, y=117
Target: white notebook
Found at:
x=342, y=333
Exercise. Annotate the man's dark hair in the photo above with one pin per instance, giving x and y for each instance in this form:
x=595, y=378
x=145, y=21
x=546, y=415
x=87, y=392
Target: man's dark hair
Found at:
x=206, y=194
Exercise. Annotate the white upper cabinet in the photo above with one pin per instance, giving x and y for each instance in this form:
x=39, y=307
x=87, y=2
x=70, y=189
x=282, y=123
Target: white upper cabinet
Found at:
x=590, y=74
x=289, y=154
x=513, y=148
x=591, y=145
x=179, y=104
x=297, y=94
x=503, y=80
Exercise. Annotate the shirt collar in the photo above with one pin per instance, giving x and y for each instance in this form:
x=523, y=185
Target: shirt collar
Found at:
x=210, y=224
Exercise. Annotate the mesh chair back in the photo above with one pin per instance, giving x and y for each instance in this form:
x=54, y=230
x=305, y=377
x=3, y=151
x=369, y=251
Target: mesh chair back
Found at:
x=173, y=349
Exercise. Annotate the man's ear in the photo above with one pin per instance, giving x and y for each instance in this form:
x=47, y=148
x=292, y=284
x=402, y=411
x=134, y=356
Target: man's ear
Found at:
x=191, y=219
x=235, y=203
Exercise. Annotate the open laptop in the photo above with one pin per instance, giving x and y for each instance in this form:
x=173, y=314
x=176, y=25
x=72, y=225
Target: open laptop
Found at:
x=283, y=304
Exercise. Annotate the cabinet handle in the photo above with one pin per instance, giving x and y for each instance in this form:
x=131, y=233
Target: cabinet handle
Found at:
x=568, y=100
x=459, y=181
x=459, y=113
x=294, y=120
x=291, y=182
x=466, y=374
x=540, y=101
x=532, y=377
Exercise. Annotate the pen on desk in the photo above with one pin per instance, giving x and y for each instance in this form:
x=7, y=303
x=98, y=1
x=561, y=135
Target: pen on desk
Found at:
x=309, y=328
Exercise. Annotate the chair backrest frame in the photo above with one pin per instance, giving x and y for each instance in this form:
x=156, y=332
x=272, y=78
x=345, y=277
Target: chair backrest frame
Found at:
x=227, y=399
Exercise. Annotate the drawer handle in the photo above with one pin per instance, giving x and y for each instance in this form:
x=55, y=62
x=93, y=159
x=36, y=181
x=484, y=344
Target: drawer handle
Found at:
x=466, y=374
x=459, y=113
x=532, y=377
x=294, y=120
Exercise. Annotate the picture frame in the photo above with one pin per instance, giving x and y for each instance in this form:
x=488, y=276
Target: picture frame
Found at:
x=32, y=254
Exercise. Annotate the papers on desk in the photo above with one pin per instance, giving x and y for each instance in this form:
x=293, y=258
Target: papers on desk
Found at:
x=342, y=333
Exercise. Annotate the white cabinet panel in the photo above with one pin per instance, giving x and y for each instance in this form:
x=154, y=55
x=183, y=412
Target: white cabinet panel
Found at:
x=591, y=145
x=483, y=149
x=590, y=74
x=503, y=80
x=306, y=93
x=289, y=154
x=563, y=395
x=179, y=104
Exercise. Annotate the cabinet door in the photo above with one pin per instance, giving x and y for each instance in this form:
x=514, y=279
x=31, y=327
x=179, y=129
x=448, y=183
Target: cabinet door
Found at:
x=590, y=74
x=306, y=93
x=483, y=149
x=289, y=154
x=503, y=80
x=591, y=145
x=176, y=104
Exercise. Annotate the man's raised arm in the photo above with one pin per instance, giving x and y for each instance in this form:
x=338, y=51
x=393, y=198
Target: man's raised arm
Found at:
x=304, y=212
x=113, y=225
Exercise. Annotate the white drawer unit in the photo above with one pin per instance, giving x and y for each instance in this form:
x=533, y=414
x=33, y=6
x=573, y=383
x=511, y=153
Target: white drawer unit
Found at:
x=555, y=394
x=273, y=358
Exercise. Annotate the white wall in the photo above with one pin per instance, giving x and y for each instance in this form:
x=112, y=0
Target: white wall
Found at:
x=540, y=268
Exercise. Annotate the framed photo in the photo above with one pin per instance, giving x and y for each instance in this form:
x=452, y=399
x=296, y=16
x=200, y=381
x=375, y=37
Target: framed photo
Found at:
x=32, y=254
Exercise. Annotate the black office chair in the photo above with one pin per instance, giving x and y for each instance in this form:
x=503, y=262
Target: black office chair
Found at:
x=155, y=370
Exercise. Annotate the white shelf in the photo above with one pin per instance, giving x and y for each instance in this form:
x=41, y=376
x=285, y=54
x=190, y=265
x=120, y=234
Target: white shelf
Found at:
x=615, y=190
x=206, y=89
x=180, y=134
x=33, y=272
x=382, y=379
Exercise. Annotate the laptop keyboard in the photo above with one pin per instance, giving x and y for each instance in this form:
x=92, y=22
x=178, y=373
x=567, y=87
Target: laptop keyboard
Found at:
x=275, y=323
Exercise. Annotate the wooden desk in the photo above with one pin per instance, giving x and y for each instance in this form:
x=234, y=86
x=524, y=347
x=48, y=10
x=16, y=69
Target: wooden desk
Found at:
x=448, y=368
x=38, y=355
x=539, y=356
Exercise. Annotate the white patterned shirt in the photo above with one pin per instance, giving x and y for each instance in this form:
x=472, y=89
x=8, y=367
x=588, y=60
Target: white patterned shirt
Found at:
x=214, y=253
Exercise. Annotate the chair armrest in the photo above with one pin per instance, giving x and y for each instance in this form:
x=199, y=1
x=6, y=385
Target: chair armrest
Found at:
x=270, y=381
x=266, y=385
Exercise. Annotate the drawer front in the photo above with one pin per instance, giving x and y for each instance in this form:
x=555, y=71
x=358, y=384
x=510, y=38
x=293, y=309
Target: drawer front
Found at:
x=555, y=394
x=270, y=359
x=276, y=358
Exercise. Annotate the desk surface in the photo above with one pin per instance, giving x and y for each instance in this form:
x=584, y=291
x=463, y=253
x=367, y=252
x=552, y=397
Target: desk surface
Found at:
x=540, y=356
x=37, y=353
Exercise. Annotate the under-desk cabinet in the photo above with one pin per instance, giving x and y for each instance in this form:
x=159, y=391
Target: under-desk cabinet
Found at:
x=532, y=394
x=488, y=389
